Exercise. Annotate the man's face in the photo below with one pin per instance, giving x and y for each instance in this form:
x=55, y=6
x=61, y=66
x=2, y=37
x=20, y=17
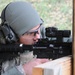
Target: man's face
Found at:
x=31, y=37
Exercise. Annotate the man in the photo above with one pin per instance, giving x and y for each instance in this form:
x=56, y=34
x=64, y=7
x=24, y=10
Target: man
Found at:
x=24, y=21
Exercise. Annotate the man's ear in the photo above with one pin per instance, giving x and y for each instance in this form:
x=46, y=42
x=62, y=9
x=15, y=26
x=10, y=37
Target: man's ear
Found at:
x=8, y=33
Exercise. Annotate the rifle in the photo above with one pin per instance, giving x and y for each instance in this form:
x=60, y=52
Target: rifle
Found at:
x=43, y=49
x=52, y=47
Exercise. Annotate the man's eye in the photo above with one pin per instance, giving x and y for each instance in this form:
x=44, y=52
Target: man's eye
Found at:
x=35, y=33
x=31, y=33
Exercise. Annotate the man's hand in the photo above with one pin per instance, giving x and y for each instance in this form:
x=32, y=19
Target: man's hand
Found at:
x=29, y=66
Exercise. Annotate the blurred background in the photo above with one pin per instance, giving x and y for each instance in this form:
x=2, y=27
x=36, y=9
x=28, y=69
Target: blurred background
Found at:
x=57, y=13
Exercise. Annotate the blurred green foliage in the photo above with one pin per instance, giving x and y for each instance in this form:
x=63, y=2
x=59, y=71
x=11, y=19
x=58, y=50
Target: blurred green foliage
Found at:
x=56, y=13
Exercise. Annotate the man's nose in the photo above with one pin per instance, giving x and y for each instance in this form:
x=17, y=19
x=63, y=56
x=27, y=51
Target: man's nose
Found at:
x=37, y=36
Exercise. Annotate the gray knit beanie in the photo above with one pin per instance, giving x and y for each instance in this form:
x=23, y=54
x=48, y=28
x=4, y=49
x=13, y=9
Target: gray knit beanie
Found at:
x=21, y=17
